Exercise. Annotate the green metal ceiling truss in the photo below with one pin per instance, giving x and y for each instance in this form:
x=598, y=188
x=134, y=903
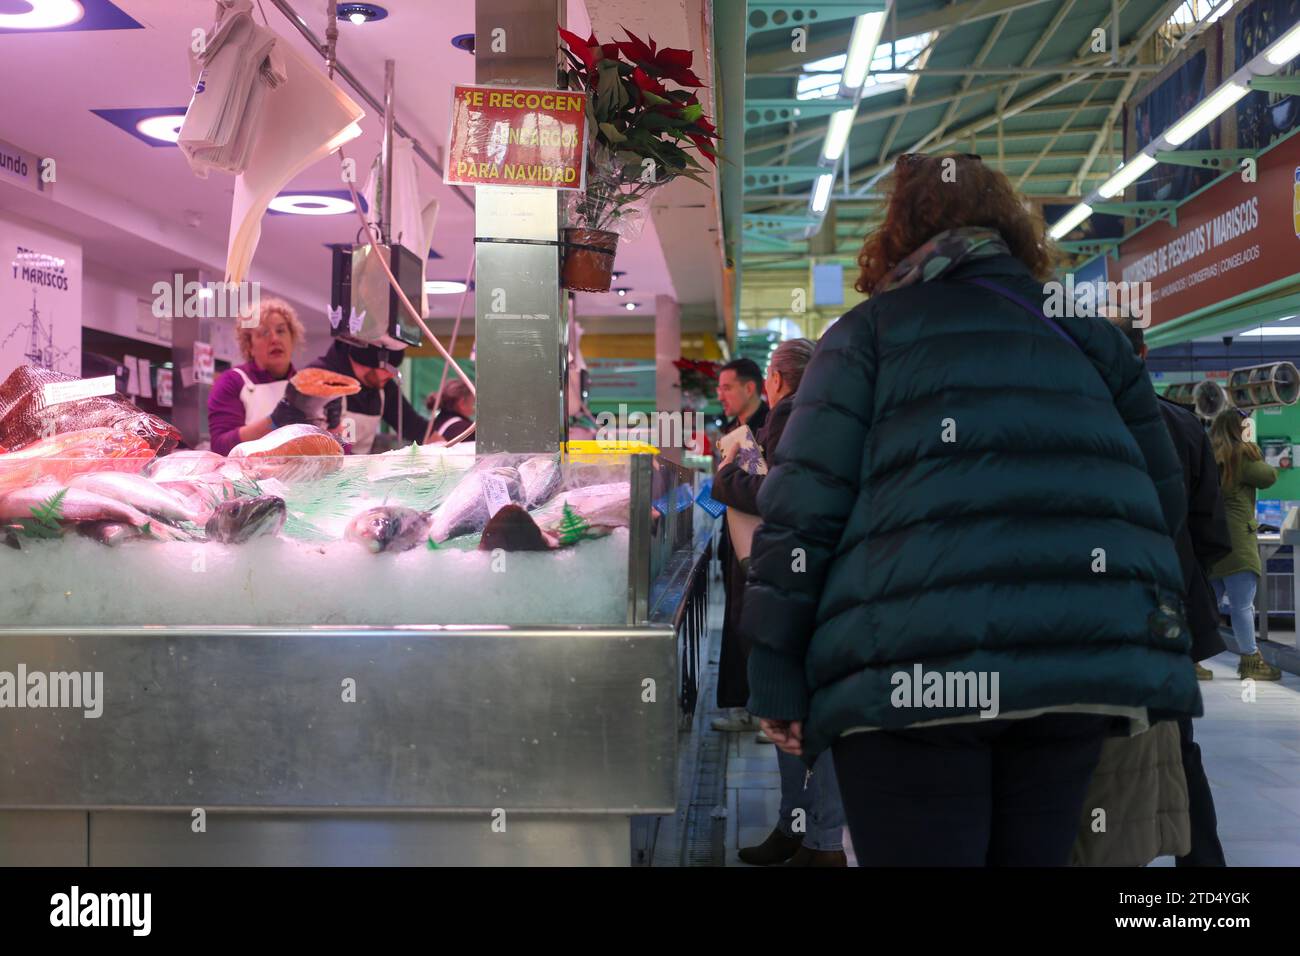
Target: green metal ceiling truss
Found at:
x=1035, y=94
x=765, y=15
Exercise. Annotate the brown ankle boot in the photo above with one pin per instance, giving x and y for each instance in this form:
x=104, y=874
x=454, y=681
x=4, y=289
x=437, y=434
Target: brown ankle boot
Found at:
x=807, y=857
x=775, y=850
x=1255, y=667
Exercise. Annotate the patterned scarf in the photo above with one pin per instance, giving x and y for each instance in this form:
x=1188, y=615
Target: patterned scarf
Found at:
x=945, y=251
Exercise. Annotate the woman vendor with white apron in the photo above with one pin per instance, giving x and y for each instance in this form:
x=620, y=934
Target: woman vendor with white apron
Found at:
x=356, y=418
x=247, y=401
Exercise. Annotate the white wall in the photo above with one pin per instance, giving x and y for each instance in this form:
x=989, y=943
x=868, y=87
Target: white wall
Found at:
x=122, y=305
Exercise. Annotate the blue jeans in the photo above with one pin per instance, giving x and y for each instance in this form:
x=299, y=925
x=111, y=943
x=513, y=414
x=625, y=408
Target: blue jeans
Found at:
x=1240, y=588
x=823, y=814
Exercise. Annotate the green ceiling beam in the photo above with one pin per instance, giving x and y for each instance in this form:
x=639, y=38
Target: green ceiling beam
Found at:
x=770, y=112
x=770, y=177
x=758, y=222
x=767, y=15
x=1205, y=158
x=1276, y=84
x=1146, y=211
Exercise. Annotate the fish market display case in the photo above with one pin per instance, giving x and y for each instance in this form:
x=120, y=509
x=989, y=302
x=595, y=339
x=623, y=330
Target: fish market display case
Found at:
x=338, y=661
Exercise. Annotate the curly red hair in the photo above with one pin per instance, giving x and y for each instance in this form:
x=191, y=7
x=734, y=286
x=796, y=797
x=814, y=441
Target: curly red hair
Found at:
x=927, y=195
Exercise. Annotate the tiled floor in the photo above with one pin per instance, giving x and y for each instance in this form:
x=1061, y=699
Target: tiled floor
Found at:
x=1251, y=752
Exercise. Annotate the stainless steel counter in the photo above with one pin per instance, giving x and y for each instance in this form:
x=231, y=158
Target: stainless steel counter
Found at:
x=321, y=746
x=534, y=725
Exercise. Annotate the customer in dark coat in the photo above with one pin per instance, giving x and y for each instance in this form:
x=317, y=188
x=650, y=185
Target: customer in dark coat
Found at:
x=740, y=390
x=1203, y=541
x=968, y=493
x=809, y=828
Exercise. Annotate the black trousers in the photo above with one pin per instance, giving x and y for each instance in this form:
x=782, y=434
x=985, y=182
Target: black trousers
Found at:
x=993, y=793
x=733, y=661
x=1206, y=849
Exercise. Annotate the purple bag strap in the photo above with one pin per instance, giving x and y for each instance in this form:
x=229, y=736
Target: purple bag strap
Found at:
x=1035, y=310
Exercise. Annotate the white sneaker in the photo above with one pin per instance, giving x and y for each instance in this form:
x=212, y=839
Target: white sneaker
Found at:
x=738, y=721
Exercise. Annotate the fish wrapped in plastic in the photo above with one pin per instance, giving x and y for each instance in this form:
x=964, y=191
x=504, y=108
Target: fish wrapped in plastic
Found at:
x=294, y=452
x=26, y=417
x=602, y=507
x=482, y=492
x=60, y=458
x=180, y=465
x=542, y=477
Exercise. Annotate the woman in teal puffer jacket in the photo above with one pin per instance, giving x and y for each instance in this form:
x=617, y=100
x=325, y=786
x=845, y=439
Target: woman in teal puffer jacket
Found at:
x=965, y=577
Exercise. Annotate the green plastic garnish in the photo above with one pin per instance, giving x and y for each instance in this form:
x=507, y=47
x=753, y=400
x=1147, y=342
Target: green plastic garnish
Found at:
x=45, y=518
x=573, y=527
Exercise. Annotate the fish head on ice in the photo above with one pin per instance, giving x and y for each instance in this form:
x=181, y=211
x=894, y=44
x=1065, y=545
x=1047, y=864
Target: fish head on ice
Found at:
x=242, y=518
x=389, y=528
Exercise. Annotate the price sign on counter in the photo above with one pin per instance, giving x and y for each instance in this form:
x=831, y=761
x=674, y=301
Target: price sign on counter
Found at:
x=501, y=136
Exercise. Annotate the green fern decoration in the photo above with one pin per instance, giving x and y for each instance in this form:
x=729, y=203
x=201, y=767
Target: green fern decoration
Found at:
x=45, y=518
x=573, y=527
x=433, y=545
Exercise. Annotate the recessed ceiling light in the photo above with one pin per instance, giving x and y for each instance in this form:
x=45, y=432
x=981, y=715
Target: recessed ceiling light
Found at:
x=44, y=15
x=443, y=286
x=361, y=12
x=630, y=306
x=306, y=204
x=166, y=129
x=622, y=293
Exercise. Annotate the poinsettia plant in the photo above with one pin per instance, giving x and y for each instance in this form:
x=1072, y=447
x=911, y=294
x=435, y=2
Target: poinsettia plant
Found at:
x=640, y=129
x=699, y=377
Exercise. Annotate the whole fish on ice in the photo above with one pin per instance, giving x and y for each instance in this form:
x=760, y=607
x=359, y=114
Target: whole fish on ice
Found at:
x=465, y=511
x=138, y=492
x=541, y=477
x=390, y=528
x=239, y=519
x=76, y=505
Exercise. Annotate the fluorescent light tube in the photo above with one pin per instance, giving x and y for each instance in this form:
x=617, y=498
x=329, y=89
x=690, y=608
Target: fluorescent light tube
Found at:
x=1283, y=50
x=862, y=48
x=822, y=192
x=1126, y=175
x=837, y=134
x=1205, y=112
x=1065, y=225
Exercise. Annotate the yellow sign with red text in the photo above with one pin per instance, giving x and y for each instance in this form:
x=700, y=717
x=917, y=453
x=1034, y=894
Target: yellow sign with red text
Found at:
x=503, y=136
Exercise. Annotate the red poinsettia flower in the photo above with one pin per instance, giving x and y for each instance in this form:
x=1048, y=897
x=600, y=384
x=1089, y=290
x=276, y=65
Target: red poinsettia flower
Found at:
x=581, y=48
x=647, y=83
x=668, y=62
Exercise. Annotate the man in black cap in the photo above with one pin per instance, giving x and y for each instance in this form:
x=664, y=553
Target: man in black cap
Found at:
x=358, y=416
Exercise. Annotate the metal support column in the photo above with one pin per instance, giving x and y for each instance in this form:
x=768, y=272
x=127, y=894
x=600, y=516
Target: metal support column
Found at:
x=668, y=348
x=519, y=308
x=189, y=410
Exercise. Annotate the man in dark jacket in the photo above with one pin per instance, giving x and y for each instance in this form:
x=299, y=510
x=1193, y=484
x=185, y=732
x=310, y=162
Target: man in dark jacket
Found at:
x=379, y=399
x=740, y=390
x=1203, y=540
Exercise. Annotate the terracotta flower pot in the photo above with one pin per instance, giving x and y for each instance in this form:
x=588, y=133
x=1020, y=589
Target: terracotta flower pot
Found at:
x=589, y=259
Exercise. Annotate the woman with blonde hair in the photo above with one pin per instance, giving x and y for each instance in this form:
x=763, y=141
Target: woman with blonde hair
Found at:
x=248, y=400
x=1242, y=472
